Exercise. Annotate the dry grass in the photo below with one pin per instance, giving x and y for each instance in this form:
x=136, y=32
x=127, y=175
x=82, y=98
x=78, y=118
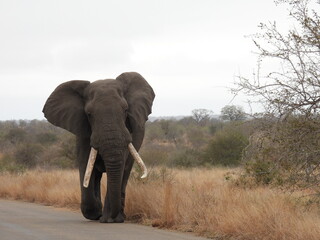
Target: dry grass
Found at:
x=55, y=188
x=199, y=201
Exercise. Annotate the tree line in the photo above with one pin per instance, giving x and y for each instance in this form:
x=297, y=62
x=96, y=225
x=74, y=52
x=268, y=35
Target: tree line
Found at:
x=197, y=140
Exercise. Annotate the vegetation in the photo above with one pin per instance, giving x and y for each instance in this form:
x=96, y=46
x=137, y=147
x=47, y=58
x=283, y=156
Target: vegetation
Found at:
x=188, y=142
x=29, y=144
x=201, y=116
x=226, y=147
x=284, y=148
x=191, y=142
x=294, y=87
x=279, y=147
x=233, y=113
x=201, y=201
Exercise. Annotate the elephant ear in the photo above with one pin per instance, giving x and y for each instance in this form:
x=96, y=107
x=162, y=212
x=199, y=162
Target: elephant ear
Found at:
x=139, y=96
x=65, y=108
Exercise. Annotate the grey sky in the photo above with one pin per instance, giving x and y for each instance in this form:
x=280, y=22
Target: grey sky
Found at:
x=189, y=51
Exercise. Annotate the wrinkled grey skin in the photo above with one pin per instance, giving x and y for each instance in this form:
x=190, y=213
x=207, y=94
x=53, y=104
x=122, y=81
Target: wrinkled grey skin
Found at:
x=105, y=115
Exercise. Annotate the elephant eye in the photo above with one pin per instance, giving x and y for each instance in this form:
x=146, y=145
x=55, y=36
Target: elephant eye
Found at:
x=89, y=114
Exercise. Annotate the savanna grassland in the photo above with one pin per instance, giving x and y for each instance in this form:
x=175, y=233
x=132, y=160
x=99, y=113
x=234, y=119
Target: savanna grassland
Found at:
x=210, y=177
x=201, y=201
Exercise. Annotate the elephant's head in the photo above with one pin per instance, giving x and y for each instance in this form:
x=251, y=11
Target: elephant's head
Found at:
x=109, y=113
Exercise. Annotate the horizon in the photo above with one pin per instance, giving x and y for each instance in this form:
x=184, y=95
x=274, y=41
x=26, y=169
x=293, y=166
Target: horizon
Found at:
x=178, y=117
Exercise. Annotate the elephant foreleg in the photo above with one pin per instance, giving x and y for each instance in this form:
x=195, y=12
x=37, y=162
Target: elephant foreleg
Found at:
x=126, y=175
x=91, y=206
x=106, y=216
x=137, y=138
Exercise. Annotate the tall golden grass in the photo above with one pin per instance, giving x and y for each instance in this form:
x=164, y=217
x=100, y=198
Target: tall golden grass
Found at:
x=199, y=201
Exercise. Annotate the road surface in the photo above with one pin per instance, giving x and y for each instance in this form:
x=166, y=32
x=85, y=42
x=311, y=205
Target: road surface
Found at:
x=28, y=221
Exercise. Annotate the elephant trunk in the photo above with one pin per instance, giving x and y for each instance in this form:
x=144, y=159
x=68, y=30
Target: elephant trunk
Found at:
x=114, y=164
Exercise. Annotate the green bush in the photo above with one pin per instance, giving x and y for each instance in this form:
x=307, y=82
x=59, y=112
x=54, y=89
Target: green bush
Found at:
x=155, y=155
x=8, y=164
x=46, y=138
x=186, y=158
x=154, y=132
x=263, y=172
x=27, y=154
x=52, y=157
x=291, y=147
x=215, y=127
x=16, y=135
x=226, y=147
x=68, y=147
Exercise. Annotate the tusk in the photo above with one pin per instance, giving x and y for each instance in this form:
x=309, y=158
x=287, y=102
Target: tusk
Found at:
x=138, y=159
x=91, y=160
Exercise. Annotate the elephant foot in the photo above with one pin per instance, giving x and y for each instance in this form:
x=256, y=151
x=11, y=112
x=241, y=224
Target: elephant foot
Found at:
x=91, y=213
x=118, y=219
x=123, y=214
x=92, y=216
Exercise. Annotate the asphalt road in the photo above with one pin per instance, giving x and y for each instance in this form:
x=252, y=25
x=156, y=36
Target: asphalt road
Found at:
x=24, y=221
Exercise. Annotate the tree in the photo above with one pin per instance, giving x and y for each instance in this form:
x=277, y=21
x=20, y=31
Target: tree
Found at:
x=290, y=94
x=226, y=146
x=201, y=116
x=295, y=88
x=232, y=113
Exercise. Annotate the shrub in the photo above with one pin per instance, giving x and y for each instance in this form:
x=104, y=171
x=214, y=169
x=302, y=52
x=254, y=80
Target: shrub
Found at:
x=68, y=147
x=52, y=158
x=27, y=154
x=155, y=155
x=291, y=147
x=186, y=158
x=153, y=131
x=215, y=126
x=7, y=164
x=16, y=135
x=46, y=138
x=226, y=147
x=263, y=172
x=197, y=136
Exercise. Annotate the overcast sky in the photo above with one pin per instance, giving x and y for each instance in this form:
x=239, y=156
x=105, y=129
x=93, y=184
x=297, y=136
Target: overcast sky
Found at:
x=189, y=51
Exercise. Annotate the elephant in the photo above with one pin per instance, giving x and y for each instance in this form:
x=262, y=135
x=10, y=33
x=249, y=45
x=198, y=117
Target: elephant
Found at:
x=106, y=116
